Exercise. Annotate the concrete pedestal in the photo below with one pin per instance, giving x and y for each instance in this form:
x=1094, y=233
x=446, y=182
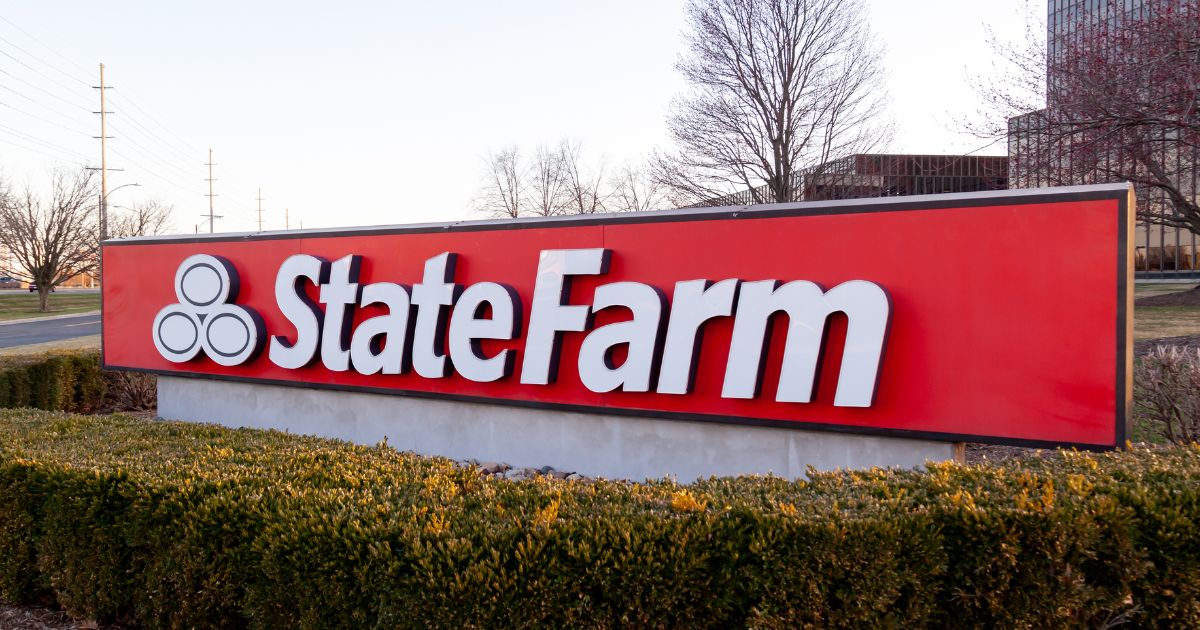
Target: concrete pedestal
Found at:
x=593, y=445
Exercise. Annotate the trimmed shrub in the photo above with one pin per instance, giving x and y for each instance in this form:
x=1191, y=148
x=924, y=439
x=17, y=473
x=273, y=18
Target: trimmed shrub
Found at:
x=167, y=524
x=53, y=382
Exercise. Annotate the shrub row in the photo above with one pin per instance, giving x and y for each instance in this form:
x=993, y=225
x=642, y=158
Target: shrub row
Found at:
x=72, y=381
x=177, y=525
x=55, y=382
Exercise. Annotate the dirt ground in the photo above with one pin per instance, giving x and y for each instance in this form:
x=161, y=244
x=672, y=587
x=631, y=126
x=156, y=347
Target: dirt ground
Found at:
x=39, y=618
x=1167, y=295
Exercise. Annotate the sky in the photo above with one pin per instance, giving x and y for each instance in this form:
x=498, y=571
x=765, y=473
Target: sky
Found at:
x=381, y=112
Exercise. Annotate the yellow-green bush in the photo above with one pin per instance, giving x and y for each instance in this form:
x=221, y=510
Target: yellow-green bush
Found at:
x=174, y=525
x=55, y=382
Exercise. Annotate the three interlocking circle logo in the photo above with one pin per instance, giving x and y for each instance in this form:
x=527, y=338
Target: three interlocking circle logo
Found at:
x=204, y=319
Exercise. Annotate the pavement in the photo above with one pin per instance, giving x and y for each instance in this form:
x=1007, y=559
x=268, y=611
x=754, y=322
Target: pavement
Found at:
x=23, y=333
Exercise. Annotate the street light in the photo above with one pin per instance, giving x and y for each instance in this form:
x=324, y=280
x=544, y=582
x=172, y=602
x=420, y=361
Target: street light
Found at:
x=104, y=210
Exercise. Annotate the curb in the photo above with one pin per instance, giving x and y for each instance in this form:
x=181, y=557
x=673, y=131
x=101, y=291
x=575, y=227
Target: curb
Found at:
x=47, y=318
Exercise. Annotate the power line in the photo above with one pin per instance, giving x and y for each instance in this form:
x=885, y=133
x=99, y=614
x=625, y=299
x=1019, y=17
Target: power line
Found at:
x=35, y=101
x=38, y=151
x=190, y=148
x=163, y=161
x=50, y=145
x=132, y=120
x=44, y=91
x=171, y=157
x=35, y=116
x=47, y=47
x=174, y=151
x=35, y=70
x=137, y=165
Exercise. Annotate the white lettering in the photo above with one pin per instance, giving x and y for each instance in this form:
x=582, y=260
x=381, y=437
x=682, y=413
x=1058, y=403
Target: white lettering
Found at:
x=432, y=297
x=380, y=344
x=339, y=295
x=550, y=314
x=296, y=306
x=808, y=307
x=468, y=327
x=695, y=302
x=640, y=334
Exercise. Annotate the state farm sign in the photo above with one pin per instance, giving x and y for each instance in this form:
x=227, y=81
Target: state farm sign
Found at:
x=932, y=317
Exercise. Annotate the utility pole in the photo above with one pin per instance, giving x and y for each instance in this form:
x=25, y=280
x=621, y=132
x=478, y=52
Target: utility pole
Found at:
x=287, y=222
x=259, y=209
x=211, y=216
x=103, y=206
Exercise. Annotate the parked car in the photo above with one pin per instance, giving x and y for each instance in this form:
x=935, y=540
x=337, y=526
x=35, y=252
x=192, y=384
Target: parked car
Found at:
x=9, y=282
x=33, y=288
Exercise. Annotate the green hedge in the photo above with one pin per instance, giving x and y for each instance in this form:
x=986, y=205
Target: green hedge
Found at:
x=174, y=525
x=55, y=382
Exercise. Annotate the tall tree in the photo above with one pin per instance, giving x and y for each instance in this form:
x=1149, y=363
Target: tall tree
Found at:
x=50, y=241
x=777, y=87
x=1121, y=103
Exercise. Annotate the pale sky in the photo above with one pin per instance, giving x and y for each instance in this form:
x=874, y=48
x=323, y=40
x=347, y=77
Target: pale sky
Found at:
x=380, y=112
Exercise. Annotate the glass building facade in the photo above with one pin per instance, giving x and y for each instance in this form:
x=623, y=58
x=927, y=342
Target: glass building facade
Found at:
x=888, y=175
x=1042, y=154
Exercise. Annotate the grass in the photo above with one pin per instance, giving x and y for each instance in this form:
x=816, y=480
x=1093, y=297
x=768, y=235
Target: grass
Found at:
x=1152, y=322
x=90, y=342
x=19, y=304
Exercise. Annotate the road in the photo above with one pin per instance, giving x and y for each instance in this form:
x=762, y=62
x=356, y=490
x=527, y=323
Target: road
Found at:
x=49, y=330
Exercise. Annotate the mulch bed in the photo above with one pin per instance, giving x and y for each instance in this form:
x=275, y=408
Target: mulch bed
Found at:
x=1191, y=297
x=40, y=618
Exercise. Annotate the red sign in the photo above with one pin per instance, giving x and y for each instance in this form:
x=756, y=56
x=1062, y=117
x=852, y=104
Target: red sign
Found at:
x=998, y=317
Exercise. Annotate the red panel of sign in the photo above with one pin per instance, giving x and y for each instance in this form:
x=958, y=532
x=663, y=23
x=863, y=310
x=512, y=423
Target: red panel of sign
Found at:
x=997, y=318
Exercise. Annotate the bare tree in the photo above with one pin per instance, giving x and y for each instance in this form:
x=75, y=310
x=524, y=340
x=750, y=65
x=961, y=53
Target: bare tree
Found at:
x=777, y=87
x=635, y=191
x=547, y=181
x=51, y=241
x=504, y=184
x=146, y=218
x=1122, y=104
x=557, y=180
x=585, y=191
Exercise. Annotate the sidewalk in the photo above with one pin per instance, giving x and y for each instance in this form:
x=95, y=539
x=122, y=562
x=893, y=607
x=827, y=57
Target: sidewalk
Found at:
x=47, y=318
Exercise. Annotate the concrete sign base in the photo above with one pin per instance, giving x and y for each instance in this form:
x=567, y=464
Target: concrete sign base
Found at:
x=593, y=445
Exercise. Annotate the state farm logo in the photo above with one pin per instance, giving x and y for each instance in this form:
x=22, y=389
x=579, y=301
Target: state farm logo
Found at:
x=438, y=327
x=204, y=320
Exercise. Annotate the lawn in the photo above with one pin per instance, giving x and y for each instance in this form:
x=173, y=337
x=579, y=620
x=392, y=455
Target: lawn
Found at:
x=19, y=303
x=1165, y=319
x=1152, y=322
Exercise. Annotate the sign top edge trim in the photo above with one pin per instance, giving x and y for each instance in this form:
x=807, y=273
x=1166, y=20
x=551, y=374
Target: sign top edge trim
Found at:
x=803, y=208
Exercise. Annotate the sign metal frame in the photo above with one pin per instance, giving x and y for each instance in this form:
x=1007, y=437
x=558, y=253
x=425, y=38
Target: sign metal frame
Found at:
x=1122, y=194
